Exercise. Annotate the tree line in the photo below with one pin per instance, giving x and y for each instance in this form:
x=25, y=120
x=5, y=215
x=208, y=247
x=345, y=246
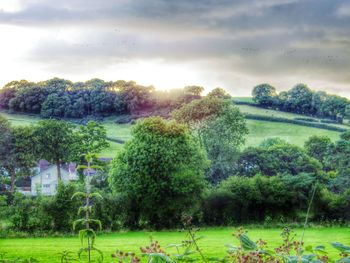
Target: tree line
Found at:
x=60, y=98
x=302, y=100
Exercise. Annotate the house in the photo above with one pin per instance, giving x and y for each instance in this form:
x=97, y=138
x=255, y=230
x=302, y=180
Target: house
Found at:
x=45, y=178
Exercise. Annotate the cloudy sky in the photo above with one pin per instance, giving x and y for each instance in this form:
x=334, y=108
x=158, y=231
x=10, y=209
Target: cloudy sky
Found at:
x=234, y=44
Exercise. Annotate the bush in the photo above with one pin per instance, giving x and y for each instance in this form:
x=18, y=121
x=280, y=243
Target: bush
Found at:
x=305, y=119
x=247, y=200
x=285, y=120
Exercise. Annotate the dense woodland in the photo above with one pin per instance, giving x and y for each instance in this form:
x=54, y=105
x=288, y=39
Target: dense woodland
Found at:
x=192, y=163
x=301, y=99
x=59, y=98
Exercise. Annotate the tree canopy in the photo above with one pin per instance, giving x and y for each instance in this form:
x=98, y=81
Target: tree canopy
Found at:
x=161, y=169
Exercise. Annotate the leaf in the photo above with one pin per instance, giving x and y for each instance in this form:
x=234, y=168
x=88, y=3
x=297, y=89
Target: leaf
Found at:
x=96, y=195
x=77, y=194
x=340, y=246
x=79, y=221
x=344, y=260
x=247, y=243
x=308, y=248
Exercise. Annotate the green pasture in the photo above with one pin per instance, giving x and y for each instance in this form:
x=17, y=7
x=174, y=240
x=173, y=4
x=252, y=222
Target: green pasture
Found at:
x=258, y=130
x=213, y=243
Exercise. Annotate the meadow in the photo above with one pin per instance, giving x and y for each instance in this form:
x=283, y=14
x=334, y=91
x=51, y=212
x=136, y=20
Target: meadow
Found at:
x=213, y=243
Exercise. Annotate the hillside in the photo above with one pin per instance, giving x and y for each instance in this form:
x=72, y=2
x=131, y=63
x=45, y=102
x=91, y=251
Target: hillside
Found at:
x=258, y=130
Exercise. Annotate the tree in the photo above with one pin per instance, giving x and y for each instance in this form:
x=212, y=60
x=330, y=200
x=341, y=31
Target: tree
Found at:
x=219, y=93
x=222, y=138
x=55, y=105
x=276, y=159
x=161, y=169
x=264, y=94
x=347, y=111
x=55, y=142
x=16, y=151
x=299, y=99
x=92, y=138
x=220, y=128
x=318, y=147
x=338, y=160
x=194, y=90
x=198, y=111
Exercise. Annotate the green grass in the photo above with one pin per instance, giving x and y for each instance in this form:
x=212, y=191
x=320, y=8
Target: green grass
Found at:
x=46, y=249
x=243, y=99
x=259, y=130
x=295, y=134
x=20, y=119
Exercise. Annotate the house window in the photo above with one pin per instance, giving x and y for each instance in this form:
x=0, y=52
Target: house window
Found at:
x=46, y=185
x=48, y=176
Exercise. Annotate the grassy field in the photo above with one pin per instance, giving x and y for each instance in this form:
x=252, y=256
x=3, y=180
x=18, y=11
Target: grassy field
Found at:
x=47, y=249
x=295, y=134
x=259, y=130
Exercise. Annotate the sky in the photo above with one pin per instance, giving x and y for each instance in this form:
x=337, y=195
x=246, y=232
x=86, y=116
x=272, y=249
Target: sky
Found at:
x=233, y=44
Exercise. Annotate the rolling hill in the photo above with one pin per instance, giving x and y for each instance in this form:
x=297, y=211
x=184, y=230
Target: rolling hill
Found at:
x=259, y=130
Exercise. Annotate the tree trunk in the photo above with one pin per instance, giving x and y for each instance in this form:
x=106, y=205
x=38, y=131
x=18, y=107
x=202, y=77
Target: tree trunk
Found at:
x=58, y=164
x=13, y=179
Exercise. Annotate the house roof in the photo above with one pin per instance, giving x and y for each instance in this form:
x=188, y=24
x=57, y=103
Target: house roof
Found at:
x=44, y=165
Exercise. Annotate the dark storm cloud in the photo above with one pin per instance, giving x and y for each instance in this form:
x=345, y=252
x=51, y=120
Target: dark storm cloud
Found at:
x=270, y=38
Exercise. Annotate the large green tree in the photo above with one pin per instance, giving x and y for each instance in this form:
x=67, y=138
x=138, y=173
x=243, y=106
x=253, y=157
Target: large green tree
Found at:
x=56, y=142
x=319, y=147
x=264, y=94
x=17, y=155
x=161, y=169
x=91, y=138
x=220, y=128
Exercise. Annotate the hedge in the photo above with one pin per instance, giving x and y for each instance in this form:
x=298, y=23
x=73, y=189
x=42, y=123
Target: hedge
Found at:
x=293, y=121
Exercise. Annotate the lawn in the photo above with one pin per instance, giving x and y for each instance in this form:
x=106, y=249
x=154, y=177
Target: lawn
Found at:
x=47, y=249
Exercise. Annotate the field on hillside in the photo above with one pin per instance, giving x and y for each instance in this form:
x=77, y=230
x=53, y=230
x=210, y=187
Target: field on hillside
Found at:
x=258, y=130
x=47, y=249
x=295, y=134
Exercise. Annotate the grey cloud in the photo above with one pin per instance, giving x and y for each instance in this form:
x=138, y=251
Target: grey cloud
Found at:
x=272, y=38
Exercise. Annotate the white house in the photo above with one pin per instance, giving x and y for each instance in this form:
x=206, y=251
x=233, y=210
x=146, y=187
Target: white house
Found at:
x=45, y=178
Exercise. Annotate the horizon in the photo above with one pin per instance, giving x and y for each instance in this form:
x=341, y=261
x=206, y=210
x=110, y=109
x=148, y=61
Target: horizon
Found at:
x=234, y=45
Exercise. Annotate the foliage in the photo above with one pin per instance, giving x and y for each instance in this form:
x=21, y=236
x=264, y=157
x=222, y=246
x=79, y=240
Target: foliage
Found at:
x=277, y=158
x=301, y=99
x=88, y=232
x=16, y=151
x=264, y=95
x=222, y=138
x=54, y=141
x=92, y=138
x=220, y=128
x=161, y=170
x=318, y=147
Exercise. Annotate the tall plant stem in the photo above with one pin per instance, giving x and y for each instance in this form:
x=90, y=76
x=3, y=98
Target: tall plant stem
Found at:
x=307, y=216
x=196, y=246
